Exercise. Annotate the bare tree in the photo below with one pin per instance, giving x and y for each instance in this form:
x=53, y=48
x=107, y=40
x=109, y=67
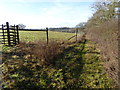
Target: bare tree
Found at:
x=103, y=11
x=21, y=26
x=81, y=25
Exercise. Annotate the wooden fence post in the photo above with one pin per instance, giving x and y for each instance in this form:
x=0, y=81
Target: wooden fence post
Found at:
x=76, y=34
x=47, y=35
x=14, y=37
x=3, y=34
x=17, y=34
x=8, y=33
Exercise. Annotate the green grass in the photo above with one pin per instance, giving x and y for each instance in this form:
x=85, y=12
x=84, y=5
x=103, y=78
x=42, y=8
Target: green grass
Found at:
x=82, y=67
x=41, y=35
x=78, y=66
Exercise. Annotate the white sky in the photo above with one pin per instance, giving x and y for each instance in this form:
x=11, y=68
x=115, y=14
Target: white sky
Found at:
x=47, y=13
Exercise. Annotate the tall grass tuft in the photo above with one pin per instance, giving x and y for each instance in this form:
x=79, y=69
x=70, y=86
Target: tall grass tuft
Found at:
x=41, y=51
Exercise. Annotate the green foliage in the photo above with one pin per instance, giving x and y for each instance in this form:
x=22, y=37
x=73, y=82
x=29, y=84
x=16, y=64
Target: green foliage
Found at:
x=75, y=67
x=6, y=48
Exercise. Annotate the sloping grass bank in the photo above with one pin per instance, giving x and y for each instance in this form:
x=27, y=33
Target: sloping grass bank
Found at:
x=105, y=35
x=76, y=66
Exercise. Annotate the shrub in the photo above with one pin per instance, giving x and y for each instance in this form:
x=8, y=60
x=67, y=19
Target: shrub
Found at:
x=41, y=50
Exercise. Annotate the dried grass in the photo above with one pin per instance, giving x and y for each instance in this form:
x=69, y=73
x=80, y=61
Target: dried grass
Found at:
x=105, y=36
x=40, y=50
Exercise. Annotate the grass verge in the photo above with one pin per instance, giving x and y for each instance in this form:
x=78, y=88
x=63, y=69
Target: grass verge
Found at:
x=76, y=66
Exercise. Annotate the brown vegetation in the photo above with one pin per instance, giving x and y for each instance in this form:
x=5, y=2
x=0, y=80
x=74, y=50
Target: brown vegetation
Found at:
x=105, y=36
x=41, y=50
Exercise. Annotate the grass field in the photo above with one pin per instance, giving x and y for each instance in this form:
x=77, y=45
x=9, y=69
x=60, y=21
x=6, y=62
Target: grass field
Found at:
x=41, y=35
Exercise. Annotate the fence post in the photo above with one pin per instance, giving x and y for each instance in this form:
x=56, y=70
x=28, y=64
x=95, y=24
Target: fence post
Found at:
x=76, y=34
x=17, y=34
x=47, y=35
x=8, y=33
x=3, y=34
x=14, y=37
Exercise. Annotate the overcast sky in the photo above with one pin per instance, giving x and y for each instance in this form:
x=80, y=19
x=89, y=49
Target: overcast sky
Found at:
x=45, y=13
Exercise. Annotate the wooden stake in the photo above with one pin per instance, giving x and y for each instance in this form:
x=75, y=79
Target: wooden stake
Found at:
x=47, y=35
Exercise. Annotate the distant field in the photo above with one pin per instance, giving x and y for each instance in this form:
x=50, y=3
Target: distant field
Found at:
x=41, y=35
